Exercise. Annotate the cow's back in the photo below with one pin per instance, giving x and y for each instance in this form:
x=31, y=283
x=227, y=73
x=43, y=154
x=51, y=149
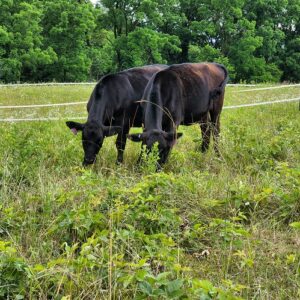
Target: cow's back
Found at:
x=138, y=78
x=198, y=78
x=119, y=92
x=184, y=89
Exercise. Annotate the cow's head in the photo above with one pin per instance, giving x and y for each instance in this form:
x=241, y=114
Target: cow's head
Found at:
x=165, y=140
x=93, y=135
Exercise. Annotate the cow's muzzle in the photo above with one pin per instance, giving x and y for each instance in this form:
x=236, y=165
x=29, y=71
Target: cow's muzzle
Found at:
x=87, y=162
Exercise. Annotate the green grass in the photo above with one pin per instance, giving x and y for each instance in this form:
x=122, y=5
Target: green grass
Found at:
x=204, y=228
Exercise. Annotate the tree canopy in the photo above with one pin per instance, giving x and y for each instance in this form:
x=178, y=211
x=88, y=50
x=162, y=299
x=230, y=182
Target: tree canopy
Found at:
x=64, y=40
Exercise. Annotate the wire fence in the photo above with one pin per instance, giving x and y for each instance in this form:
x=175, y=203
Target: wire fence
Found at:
x=94, y=83
x=269, y=88
x=262, y=103
x=41, y=105
x=84, y=102
x=46, y=84
x=83, y=83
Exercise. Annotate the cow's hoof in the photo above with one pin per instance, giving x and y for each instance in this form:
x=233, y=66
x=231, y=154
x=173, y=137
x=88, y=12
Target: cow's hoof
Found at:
x=159, y=167
x=218, y=153
x=204, y=148
x=119, y=161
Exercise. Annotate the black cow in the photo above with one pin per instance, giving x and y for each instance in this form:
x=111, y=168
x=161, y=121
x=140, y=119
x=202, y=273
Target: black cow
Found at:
x=182, y=94
x=113, y=108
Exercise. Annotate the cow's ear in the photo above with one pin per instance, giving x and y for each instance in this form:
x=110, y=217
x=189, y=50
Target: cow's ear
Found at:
x=111, y=130
x=170, y=136
x=135, y=137
x=74, y=126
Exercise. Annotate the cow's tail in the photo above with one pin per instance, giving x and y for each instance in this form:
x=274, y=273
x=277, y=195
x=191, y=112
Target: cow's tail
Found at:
x=218, y=90
x=154, y=96
x=153, y=107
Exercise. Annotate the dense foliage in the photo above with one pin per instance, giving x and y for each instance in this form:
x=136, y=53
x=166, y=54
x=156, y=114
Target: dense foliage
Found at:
x=63, y=40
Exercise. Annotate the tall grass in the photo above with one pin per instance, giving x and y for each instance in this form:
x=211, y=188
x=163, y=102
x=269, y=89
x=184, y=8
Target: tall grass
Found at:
x=206, y=227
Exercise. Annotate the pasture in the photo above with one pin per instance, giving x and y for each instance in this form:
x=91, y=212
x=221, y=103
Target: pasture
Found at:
x=206, y=227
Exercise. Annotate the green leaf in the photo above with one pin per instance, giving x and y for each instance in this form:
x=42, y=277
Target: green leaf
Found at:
x=295, y=225
x=140, y=275
x=174, y=285
x=206, y=285
x=163, y=276
x=146, y=288
x=127, y=280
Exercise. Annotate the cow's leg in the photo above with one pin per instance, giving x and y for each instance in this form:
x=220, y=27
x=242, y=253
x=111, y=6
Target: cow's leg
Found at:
x=139, y=160
x=164, y=154
x=163, y=157
x=121, y=143
x=215, y=121
x=205, y=130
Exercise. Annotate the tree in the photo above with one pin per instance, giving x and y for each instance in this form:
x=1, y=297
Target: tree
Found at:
x=135, y=25
x=68, y=28
x=67, y=40
x=146, y=46
x=290, y=49
x=22, y=52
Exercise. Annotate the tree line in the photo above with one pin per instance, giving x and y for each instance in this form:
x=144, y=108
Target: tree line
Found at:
x=74, y=40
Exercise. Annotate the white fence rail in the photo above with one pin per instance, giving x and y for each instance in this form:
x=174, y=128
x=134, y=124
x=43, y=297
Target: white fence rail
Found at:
x=269, y=88
x=82, y=118
x=94, y=83
x=81, y=83
x=12, y=120
x=46, y=84
x=262, y=103
x=41, y=105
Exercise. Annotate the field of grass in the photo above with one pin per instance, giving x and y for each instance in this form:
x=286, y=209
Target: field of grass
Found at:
x=206, y=227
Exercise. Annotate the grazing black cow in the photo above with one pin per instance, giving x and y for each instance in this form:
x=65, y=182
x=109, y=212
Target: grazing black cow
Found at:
x=113, y=108
x=182, y=94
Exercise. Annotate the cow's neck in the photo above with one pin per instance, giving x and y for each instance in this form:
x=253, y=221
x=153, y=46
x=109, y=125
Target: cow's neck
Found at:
x=99, y=113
